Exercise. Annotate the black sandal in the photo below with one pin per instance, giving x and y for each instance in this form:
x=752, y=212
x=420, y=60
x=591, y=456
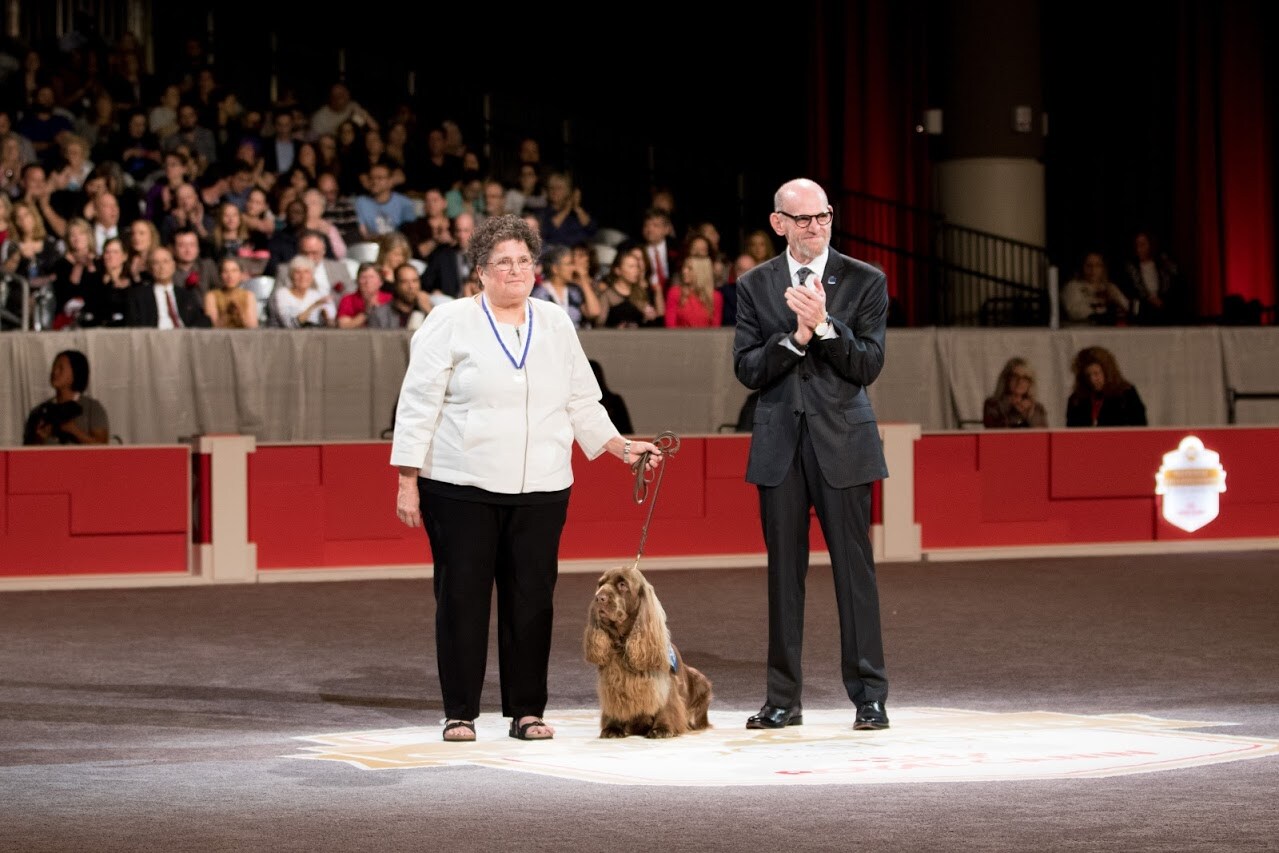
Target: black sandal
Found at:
x=521, y=732
x=469, y=725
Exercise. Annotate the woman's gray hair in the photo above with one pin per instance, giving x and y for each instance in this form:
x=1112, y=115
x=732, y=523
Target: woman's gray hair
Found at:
x=499, y=229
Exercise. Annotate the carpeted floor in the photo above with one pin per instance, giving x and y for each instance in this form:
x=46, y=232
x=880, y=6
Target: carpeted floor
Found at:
x=165, y=720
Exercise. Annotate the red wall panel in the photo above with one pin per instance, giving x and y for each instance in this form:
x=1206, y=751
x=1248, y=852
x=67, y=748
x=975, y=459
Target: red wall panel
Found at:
x=1081, y=486
x=94, y=510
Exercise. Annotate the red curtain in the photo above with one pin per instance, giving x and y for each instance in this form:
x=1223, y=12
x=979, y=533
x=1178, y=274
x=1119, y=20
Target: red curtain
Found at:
x=1225, y=151
x=868, y=74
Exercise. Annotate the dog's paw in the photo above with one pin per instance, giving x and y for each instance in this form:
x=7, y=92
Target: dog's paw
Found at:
x=660, y=732
x=612, y=731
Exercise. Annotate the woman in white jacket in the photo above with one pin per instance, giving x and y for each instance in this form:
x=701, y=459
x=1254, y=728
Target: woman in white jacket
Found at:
x=496, y=391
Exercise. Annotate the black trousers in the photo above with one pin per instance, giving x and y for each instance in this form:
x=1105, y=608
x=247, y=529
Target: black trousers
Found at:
x=844, y=515
x=474, y=545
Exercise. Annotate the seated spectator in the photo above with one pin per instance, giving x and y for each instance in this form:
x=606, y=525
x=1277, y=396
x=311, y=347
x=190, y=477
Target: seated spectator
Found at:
x=1154, y=285
x=316, y=207
x=104, y=215
x=29, y=250
x=188, y=212
x=660, y=251
x=374, y=149
x=231, y=238
x=759, y=245
x=1013, y=404
x=557, y=266
x=240, y=181
x=143, y=237
x=38, y=192
x=229, y=305
x=75, y=274
x=162, y=120
x=98, y=127
x=449, y=265
x=624, y=297
x=193, y=270
x=105, y=305
x=338, y=211
x=289, y=187
x=109, y=178
x=393, y=250
x=528, y=194
x=408, y=306
x=467, y=197
x=1102, y=397
x=612, y=402
x=70, y=416
x=330, y=276
x=439, y=169
x=382, y=210
x=162, y=304
x=281, y=149
x=178, y=170
x=191, y=133
x=585, y=269
x=430, y=230
x=258, y=216
x=299, y=304
x=43, y=124
x=741, y=266
x=11, y=163
x=354, y=309
x=283, y=245
x=76, y=165
x=339, y=108
x=1091, y=297
x=695, y=302
x=564, y=220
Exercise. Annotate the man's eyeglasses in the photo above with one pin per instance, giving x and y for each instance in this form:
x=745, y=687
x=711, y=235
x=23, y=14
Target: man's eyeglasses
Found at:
x=804, y=219
x=508, y=265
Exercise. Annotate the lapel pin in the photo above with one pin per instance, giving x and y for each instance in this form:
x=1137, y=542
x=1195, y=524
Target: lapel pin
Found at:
x=830, y=280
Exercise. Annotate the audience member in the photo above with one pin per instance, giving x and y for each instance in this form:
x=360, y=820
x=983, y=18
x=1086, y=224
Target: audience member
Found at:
x=660, y=251
x=1013, y=404
x=160, y=198
x=1102, y=397
x=338, y=211
x=316, y=207
x=38, y=192
x=75, y=274
x=191, y=269
x=354, y=309
x=229, y=305
x=298, y=304
x=1091, y=297
x=382, y=210
x=741, y=266
x=329, y=276
x=759, y=245
x=528, y=194
x=104, y=215
x=1154, y=284
x=580, y=304
x=564, y=220
x=408, y=306
x=282, y=148
x=695, y=302
x=283, y=245
x=191, y=133
x=106, y=304
x=466, y=197
x=162, y=120
x=258, y=216
x=393, y=250
x=624, y=297
x=162, y=304
x=29, y=250
x=340, y=108
x=440, y=170
x=143, y=237
x=70, y=416
x=449, y=265
x=42, y=124
x=11, y=163
x=76, y=165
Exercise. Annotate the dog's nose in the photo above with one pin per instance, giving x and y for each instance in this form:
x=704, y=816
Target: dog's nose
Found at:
x=601, y=596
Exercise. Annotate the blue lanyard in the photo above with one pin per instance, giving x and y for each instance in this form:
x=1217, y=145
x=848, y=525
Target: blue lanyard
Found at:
x=528, y=339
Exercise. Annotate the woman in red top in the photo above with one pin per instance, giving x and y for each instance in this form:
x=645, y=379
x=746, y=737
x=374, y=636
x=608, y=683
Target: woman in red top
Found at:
x=695, y=302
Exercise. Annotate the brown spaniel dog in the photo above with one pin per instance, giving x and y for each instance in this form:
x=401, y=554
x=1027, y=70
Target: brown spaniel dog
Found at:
x=645, y=687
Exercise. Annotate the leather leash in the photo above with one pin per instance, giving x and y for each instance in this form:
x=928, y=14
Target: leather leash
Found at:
x=668, y=443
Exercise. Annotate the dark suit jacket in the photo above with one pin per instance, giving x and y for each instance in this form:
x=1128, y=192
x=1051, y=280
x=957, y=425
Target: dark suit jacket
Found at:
x=828, y=384
x=442, y=273
x=140, y=309
x=270, y=159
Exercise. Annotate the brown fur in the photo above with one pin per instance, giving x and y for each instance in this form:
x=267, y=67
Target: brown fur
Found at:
x=627, y=638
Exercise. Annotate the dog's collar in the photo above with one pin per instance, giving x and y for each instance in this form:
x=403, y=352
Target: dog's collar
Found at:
x=670, y=656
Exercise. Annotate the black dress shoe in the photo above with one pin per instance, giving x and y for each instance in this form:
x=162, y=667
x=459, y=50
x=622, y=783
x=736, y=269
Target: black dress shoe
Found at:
x=871, y=715
x=772, y=717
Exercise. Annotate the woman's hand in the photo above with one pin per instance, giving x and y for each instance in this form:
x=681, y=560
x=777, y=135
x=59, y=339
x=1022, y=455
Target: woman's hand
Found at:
x=407, y=501
x=629, y=451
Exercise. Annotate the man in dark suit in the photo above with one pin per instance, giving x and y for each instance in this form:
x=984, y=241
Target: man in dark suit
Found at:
x=448, y=267
x=810, y=338
x=164, y=305
x=281, y=150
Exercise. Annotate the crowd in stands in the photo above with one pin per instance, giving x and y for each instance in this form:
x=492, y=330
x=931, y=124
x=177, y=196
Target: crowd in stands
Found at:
x=171, y=202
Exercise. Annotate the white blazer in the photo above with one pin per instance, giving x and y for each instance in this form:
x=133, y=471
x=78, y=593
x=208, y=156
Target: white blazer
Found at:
x=467, y=416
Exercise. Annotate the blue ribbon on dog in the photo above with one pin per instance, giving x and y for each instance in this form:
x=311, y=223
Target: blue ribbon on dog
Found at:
x=670, y=656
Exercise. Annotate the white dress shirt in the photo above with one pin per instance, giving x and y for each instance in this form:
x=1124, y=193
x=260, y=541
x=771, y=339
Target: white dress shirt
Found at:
x=816, y=265
x=467, y=416
x=162, y=292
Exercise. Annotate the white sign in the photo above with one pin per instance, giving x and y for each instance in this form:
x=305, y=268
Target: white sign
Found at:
x=1190, y=481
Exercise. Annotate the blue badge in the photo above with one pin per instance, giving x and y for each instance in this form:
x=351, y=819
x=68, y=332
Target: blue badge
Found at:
x=670, y=656
x=830, y=280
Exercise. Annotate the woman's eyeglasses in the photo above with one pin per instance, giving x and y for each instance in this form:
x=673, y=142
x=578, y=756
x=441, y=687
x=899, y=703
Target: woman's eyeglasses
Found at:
x=508, y=265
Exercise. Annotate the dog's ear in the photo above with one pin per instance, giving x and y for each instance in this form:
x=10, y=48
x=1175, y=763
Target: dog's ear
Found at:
x=649, y=639
x=597, y=645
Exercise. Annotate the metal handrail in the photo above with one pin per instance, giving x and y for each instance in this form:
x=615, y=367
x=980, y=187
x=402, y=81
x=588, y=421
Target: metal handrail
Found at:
x=1232, y=396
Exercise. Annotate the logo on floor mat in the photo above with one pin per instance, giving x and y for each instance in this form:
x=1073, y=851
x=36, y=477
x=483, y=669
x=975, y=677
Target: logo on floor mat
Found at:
x=923, y=745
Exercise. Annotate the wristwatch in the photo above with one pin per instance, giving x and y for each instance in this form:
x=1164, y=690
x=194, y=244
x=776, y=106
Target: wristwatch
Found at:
x=822, y=328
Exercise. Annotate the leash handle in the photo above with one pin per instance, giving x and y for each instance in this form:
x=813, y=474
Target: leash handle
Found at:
x=668, y=443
